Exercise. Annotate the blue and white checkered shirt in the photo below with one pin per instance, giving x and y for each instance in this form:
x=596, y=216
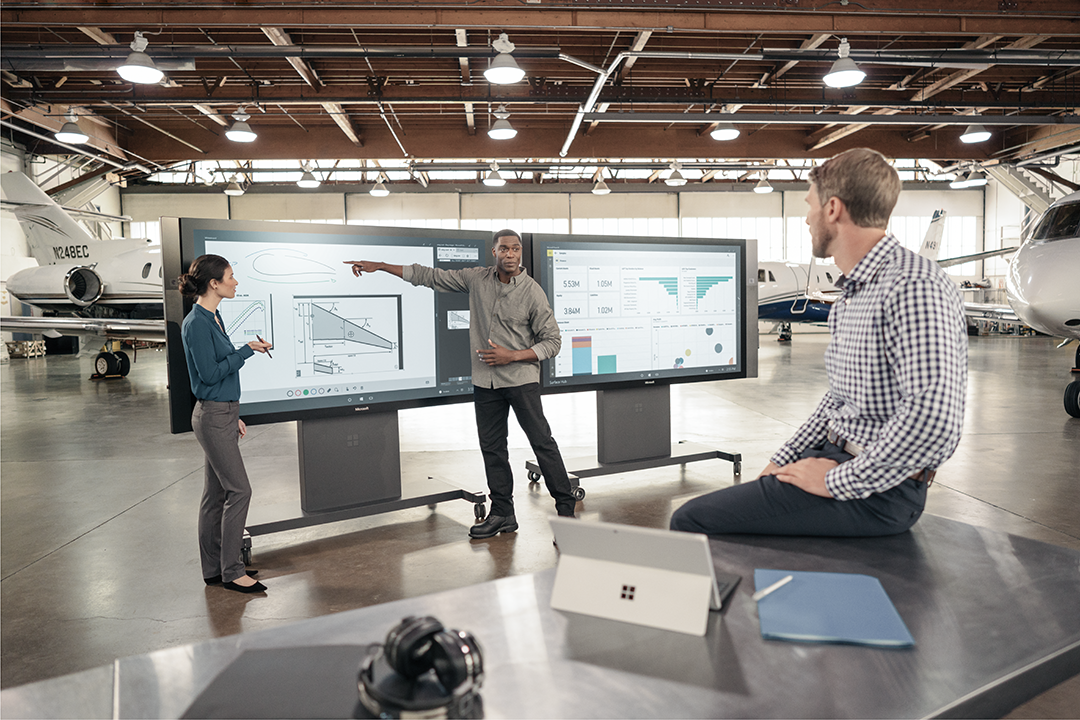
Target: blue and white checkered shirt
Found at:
x=897, y=365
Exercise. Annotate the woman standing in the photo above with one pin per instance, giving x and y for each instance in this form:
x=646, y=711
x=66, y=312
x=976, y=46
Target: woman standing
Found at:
x=214, y=367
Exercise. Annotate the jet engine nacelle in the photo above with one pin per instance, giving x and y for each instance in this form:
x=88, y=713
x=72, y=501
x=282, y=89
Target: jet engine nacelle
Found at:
x=57, y=286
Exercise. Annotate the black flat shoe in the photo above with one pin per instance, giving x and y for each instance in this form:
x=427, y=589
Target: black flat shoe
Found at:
x=256, y=588
x=216, y=579
x=494, y=525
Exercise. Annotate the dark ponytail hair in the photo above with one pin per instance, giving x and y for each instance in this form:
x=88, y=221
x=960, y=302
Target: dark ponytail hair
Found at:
x=196, y=281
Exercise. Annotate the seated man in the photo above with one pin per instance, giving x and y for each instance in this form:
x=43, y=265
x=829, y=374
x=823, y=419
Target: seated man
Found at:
x=897, y=367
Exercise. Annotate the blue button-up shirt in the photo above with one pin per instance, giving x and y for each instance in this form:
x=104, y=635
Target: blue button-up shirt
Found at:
x=897, y=365
x=213, y=362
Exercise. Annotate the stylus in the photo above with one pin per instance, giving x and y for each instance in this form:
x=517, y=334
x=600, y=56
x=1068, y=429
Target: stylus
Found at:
x=756, y=597
x=267, y=352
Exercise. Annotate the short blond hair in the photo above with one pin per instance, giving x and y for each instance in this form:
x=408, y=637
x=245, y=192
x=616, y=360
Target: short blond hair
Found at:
x=864, y=181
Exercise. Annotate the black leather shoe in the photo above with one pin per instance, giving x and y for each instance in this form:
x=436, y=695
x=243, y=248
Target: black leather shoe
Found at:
x=256, y=588
x=493, y=525
x=216, y=579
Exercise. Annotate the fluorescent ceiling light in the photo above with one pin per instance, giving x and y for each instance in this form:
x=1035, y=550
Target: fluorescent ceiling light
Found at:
x=601, y=188
x=844, y=72
x=504, y=69
x=379, y=190
x=71, y=133
x=763, y=186
x=725, y=131
x=975, y=134
x=139, y=67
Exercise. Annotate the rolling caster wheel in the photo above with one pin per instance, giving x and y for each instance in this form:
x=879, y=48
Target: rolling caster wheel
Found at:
x=534, y=477
x=480, y=512
x=738, y=468
x=245, y=550
x=579, y=493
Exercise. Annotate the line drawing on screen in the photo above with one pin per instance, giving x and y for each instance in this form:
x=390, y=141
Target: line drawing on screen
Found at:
x=245, y=319
x=348, y=334
x=288, y=266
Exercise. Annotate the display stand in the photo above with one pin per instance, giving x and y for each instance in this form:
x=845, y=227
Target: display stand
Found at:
x=633, y=432
x=350, y=467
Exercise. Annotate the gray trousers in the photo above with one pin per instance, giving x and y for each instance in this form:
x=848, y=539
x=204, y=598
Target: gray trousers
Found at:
x=227, y=493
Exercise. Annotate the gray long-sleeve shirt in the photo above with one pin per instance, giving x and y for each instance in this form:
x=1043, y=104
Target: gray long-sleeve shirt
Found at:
x=515, y=315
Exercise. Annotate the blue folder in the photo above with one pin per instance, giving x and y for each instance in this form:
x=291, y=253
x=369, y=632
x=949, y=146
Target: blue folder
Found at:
x=830, y=608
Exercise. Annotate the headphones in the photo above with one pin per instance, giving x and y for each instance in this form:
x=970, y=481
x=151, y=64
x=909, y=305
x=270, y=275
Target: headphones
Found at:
x=423, y=667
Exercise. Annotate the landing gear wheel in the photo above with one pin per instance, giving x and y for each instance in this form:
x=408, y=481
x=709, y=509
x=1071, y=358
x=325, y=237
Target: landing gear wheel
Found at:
x=123, y=363
x=245, y=550
x=578, y=493
x=534, y=476
x=1072, y=398
x=480, y=512
x=105, y=364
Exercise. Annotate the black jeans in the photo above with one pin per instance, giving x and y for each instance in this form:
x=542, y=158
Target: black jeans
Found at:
x=767, y=506
x=492, y=410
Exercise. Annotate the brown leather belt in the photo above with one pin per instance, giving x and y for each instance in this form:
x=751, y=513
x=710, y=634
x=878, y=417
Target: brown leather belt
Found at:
x=925, y=475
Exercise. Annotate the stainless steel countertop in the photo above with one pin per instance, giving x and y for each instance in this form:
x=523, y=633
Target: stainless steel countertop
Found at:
x=996, y=620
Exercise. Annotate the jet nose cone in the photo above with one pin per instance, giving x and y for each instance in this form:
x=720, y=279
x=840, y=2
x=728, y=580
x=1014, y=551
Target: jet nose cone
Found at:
x=1042, y=287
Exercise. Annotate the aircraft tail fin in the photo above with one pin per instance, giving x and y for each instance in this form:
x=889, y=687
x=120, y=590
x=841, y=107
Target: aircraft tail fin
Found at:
x=931, y=244
x=52, y=234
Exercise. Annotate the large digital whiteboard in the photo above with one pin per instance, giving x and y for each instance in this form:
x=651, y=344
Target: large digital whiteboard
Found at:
x=341, y=343
x=643, y=309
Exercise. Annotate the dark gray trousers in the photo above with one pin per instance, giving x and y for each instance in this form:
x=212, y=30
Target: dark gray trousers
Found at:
x=767, y=506
x=227, y=492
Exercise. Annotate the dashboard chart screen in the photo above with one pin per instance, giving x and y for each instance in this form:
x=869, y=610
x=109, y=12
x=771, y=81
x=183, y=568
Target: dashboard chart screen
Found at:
x=641, y=310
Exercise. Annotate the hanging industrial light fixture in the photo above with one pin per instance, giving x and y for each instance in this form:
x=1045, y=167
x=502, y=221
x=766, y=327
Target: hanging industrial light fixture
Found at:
x=675, y=179
x=600, y=188
x=308, y=179
x=240, y=130
x=725, y=130
x=70, y=132
x=977, y=178
x=139, y=67
x=975, y=134
x=504, y=69
x=493, y=178
x=379, y=190
x=763, y=185
x=501, y=129
x=844, y=72
x=233, y=188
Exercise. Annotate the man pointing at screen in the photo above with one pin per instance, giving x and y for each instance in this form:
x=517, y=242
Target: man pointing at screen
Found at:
x=511, y=329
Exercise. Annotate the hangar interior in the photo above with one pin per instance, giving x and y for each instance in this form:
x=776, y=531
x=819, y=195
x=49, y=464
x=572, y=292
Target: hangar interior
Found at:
x=99, y=558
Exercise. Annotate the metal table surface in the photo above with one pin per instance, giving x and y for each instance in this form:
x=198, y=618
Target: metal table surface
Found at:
x=996, y=620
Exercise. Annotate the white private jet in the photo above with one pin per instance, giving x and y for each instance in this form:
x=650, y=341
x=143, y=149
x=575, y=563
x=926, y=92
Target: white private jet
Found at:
x=110, y=289
x=1043, y=283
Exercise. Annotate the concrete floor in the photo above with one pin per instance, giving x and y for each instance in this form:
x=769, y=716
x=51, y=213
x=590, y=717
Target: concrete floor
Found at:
x=99, y=557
